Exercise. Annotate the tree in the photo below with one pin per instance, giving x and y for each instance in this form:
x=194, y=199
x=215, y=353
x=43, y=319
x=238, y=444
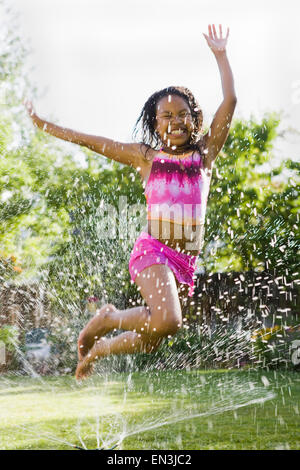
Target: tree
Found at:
x=252, y=215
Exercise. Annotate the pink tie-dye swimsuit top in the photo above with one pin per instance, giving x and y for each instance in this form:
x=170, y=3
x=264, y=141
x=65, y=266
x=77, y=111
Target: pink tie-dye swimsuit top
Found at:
x=177, y=189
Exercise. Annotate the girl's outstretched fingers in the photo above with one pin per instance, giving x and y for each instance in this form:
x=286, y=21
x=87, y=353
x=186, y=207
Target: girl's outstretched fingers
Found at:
x=29, y=106
x=31, y=111
x=216, y=43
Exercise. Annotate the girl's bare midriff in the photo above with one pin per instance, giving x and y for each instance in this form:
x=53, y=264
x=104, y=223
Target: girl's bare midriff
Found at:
x=188, y=239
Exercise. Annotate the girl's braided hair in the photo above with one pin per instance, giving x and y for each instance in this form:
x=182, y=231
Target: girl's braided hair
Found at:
x=147, y=117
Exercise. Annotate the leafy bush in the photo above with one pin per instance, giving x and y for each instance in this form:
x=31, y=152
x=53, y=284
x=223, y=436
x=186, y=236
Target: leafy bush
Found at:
x=9, y=335
x=276, y=346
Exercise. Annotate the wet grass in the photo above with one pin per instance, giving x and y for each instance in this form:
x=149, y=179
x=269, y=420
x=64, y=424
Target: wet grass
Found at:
x=154, y=410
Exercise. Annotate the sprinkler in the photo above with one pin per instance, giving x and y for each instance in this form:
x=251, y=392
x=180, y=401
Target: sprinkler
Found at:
x=102, y=448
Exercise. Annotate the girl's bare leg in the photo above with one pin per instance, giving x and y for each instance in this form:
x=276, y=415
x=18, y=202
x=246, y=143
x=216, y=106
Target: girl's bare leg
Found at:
x=161, y=317
x=98, y=325
x=93, y=330
x=125, y=343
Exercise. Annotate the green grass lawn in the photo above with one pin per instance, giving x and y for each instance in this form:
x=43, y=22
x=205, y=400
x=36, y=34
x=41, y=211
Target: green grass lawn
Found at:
x=153, y=410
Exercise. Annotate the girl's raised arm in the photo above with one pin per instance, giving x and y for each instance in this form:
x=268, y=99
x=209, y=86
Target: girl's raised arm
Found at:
x=218, y=132
x=128, y=154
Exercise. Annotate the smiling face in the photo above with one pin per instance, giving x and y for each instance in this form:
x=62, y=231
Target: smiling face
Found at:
x=174, y=122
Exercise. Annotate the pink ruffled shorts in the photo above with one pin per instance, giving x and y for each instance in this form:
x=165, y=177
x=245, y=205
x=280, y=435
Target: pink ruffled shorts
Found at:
x=147, y=251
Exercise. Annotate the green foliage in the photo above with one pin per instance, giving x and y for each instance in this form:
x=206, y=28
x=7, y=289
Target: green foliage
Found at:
x=251, y=216
x=32, y=212
x=9, y=335
x=9, y=268
x=95, y=261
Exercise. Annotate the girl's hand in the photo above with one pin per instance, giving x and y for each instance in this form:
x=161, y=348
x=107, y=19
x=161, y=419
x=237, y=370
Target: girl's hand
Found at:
x=32, y=114
x=216, y=44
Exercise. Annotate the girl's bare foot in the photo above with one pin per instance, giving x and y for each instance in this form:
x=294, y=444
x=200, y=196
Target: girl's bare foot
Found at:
x=84, y=369
x=95, y=329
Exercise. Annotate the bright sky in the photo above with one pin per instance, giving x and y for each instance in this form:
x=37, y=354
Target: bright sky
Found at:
x=96, y=62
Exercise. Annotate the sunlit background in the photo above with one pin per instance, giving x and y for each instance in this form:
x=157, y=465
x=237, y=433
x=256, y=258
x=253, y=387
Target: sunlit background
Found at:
x=95, y=62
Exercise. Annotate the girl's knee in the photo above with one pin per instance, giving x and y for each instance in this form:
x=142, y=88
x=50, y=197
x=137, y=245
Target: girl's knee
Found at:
x=170, y=326
x=174, y=325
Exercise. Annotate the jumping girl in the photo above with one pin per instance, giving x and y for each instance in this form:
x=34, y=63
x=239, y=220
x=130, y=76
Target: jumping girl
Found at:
x=175, y=163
